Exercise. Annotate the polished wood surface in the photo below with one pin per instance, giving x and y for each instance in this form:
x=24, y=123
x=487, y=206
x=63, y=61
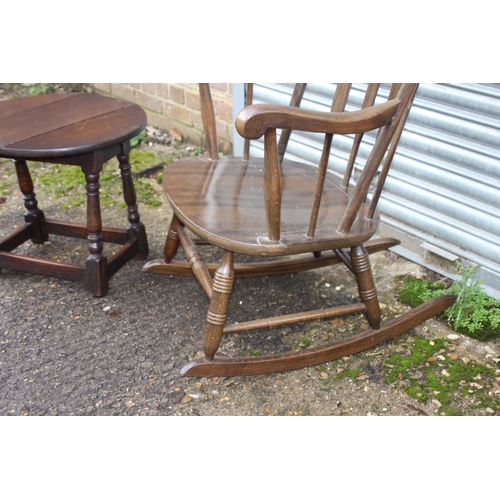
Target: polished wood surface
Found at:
x=55, y=125
x=253, y=121
x=195, y=188
x=73, y=129
x=275, y=207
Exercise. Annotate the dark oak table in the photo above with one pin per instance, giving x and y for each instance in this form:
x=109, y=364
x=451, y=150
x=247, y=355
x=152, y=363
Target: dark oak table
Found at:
x=73, y=129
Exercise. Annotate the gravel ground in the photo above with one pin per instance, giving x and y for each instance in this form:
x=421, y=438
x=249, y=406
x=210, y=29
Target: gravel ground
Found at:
x=63, y=352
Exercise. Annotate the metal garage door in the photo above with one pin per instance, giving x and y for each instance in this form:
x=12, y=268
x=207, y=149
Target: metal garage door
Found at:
x=443, y=193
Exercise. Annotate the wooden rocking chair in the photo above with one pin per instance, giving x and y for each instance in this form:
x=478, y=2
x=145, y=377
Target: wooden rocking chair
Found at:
x=273, y=207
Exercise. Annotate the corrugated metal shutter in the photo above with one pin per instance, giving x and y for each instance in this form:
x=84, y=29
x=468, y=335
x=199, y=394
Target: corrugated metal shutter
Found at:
x=444, y=185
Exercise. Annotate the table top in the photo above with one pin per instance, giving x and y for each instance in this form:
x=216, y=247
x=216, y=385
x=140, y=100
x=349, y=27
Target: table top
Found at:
x=52, y=125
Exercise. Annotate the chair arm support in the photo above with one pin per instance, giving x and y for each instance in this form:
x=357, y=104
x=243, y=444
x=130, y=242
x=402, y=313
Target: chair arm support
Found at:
x=253, y=121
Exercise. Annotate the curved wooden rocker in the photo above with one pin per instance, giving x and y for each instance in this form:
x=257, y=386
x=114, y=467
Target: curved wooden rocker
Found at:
x=306, y=216
x=221, y=367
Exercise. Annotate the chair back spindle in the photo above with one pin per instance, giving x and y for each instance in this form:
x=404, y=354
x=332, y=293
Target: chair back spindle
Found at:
x=295, y=100
x=338, y=105
x=369, y=100
x=272, y=186
x=208, y=118
x=248, y=102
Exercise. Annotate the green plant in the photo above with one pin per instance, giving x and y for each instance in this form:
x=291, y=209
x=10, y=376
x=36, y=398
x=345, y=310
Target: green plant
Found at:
x=474, y=313
x=137, y=139
x=39, y=88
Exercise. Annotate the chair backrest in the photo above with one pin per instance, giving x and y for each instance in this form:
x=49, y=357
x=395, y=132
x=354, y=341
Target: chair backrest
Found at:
x=255, y=121
x=388, y=117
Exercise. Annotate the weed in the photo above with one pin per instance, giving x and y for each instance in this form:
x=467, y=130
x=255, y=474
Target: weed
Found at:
x=134, y=142
x=255, y=352
x=39, y=88
x=474, y=313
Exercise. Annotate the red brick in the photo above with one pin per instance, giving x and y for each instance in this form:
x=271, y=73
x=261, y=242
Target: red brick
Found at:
x=193, y=100
x=104, y=87
x=123, y=91
x=225, y=111
x=148, y=101
x=219, y=86
x=197, y=121
x=178, y=113
x=148, y=87
x=177, y=94
x=162, y=90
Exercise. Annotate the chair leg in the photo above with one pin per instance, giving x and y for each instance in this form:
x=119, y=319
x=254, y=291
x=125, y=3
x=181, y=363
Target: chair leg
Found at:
x=217, y=312
x=366, y=285
x=172, y=241
x=136, y=227
x=33, y=214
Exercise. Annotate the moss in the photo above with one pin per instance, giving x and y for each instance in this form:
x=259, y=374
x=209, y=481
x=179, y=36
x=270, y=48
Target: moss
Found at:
x=140, y=159
x=415, y=290
x=6, y=187
x=351, y=373
x=441, y=378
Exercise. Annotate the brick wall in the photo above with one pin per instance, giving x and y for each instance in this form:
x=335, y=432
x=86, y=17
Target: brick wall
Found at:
x=176, y=105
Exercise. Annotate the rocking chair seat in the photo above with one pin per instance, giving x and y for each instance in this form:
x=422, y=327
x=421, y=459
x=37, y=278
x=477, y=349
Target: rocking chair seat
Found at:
x=223, y=202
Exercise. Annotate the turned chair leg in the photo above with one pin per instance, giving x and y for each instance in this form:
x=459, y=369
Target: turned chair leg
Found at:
x=172, y=241
x=217, y=312
x=33, y=214
x=136, y=227
x=366, y=285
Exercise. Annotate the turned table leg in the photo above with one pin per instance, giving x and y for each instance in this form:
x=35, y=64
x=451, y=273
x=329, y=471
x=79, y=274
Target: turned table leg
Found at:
x=136, y=227
x=97, y=264
x=33, y=214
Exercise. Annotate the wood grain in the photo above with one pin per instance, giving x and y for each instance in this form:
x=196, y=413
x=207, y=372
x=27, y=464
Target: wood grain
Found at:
x=73, y=129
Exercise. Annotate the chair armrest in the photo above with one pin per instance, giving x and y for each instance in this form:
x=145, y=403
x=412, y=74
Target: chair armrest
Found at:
x=253, y=121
